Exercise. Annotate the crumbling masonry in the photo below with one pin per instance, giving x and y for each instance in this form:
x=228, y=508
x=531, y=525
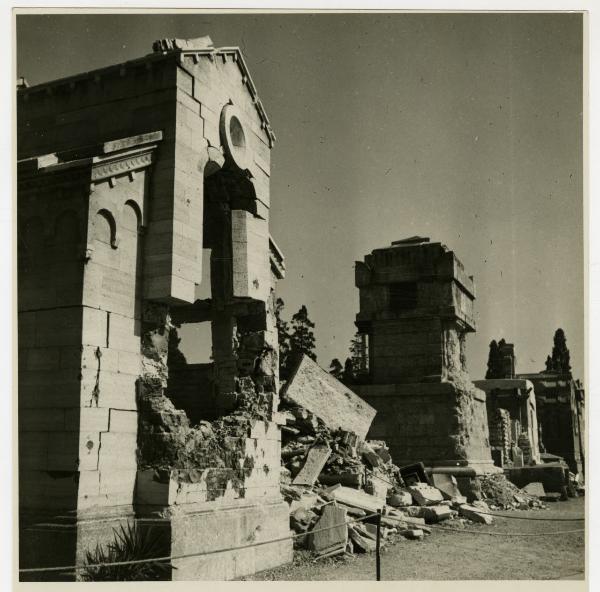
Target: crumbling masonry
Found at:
x=125, y=175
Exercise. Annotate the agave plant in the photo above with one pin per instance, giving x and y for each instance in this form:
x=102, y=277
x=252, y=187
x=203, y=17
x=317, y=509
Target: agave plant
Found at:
x=130, y=543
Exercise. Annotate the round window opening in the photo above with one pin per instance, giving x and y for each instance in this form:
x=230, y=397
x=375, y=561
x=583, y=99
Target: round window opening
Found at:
x=238, y=138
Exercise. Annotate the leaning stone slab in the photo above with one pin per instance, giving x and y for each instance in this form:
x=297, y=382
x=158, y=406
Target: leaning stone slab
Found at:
x=471, y=513
x=357, y=499
x=315, y=461
x=425, y=495
x=330, y=531
x=448, y=486
x=320, y=393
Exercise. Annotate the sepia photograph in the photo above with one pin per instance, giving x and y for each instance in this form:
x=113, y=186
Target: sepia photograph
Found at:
x=300, y=295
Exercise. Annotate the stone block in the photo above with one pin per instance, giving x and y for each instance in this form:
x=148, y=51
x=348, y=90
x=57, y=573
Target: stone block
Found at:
x=535, y=488
x=117, y=451
x=400, y=499
x=425, y=495
x=123, y=421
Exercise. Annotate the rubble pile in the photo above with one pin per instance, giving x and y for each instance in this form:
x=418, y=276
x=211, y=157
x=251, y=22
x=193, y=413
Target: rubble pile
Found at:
x=501, y=494
x=340, y=456
x=340, y=520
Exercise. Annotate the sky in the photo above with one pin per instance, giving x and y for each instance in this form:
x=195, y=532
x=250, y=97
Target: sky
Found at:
x=466, y=128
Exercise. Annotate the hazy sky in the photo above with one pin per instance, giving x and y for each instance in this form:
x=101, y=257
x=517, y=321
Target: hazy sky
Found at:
x=464, y=128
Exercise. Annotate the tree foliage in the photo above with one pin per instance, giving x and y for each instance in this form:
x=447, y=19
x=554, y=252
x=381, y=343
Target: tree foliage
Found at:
x=560, y=362
x=295, y=338
x=494, y=364
x=336, y=369
x=302, y=338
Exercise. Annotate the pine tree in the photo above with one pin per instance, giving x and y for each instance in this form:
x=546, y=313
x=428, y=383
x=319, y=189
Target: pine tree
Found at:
x=561, y=358
x=336, y=369
x=494, y=365
x=302, y=339
x=348, y=376
x=283, y=338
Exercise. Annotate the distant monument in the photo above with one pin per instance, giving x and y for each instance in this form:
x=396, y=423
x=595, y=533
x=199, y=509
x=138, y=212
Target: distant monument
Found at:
x=416, y=308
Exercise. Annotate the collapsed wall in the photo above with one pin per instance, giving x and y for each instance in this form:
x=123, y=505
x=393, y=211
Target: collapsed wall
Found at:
x=416, y=307
x=126, y=174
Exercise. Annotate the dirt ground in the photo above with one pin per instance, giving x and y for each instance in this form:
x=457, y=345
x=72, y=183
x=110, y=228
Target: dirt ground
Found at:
x=461, y=555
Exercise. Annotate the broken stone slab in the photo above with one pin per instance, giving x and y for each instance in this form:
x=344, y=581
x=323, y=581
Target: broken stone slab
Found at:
x=473, y=514
x=406, y=519
x=361, y=543
x=361, y=528
x=319, y=392
x=345, y=478
x=393, y=522
x=355, y=498
x=313, y=465
x=535, y=488
x=330, y=532
x=425, y=495
x=448, y=485
x=354, y=512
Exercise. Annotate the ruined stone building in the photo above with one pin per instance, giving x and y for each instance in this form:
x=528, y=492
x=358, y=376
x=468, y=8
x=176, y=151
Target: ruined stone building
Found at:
x=511, y=410
x=537, y=412
x=125, y=175
x=560, y=402
x=416, y=308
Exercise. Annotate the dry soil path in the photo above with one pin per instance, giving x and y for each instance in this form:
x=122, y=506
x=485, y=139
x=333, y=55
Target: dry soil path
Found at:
x=465, y=556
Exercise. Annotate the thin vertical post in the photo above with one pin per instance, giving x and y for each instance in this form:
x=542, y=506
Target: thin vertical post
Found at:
x=378, y=547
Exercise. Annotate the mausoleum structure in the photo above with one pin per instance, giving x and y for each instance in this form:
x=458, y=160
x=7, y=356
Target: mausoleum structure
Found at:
x=512, y=421
x=125, y=176
x=416, y=308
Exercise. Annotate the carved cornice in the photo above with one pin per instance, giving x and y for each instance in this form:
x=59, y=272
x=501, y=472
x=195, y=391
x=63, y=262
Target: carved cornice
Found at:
x=105, y=169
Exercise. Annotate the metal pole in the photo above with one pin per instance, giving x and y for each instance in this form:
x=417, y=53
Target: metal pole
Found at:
x=378, y=547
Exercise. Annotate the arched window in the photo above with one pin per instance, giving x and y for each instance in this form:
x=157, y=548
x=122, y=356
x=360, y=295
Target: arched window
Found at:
x=105, y=228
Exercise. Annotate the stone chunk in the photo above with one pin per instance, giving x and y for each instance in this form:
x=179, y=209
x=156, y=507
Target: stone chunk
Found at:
x=432, y=514
x=330, y=532
x=415, y=534
x=400, y=499
x=315, y=461
x=337, y=406
x=425, y=495
x=473, y=514
x=535, y=488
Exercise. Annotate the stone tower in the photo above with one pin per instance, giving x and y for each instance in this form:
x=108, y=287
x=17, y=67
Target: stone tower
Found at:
x=416, y=307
